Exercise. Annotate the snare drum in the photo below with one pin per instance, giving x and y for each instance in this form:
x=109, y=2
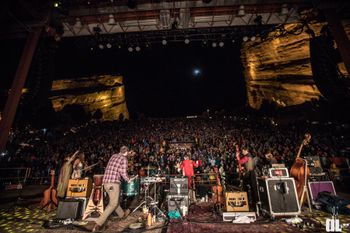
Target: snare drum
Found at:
x=131, y=189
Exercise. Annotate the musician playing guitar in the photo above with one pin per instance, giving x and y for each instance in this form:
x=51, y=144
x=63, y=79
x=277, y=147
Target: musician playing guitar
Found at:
x=115, y=171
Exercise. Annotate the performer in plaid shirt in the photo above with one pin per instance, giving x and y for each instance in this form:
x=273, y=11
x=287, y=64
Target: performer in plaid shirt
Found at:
x=115, y=171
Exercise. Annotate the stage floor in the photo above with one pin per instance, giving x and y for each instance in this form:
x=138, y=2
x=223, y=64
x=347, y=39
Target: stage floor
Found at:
x=201, y=219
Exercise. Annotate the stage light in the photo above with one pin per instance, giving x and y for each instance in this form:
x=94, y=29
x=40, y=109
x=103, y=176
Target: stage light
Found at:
x=196, y=72
x=214, y=44
x=187, y=41
x=108, y=45
x=56, y=4
x=111, y=19
x=252, y=38
x=78, y=23
x=241, y=11
x=92, y=48
x=101, y=46
x=284, y=9
x=233, y=41
x=258, y=20
x=130, y=49
x=119, y=46
x=245, y=38
x=221, y=44
x=137, y=49
x=164, y=42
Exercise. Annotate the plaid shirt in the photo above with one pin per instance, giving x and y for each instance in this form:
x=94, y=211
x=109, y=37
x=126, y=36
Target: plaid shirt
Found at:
x=116, y=168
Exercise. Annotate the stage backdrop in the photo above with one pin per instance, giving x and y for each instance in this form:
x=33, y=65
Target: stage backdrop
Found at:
x=278, y=70
x=102, y=96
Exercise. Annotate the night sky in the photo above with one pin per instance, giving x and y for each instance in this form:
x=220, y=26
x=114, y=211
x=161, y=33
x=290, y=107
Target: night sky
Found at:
x=160, y=80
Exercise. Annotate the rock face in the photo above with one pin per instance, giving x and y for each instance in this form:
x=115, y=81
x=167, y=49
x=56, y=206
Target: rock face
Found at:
x=104, y=94
x=278, y=70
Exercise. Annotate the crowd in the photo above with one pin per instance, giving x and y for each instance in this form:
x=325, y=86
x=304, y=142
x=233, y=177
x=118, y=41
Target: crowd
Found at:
x=213, y=139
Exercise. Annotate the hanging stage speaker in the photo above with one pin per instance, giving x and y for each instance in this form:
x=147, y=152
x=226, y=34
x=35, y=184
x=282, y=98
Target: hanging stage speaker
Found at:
x=278, y=197
x=70, y=208
x=178, y=186
x=320, y=186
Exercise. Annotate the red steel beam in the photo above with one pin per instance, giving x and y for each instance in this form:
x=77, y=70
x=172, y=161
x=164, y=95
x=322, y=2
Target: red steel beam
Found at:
x=17, y=86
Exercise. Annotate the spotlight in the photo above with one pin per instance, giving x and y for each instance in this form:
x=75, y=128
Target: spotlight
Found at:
x=214, y=44
x=56, y=4
x=131, y=4
x=111, y=19
x=245, y=38
x=252, y=38
x=164, y=42
x=221, y=44
x=187, y=41
x=241, y=11
x=78, y=23
x=137, y=49
x=130, y=49
x=233, y=41
x=101, y=46
x=284, y=9
x=108, y=45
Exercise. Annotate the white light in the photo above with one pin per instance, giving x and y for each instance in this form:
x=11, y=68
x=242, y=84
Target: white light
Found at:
x=130, y=49
x=196, y=72
x=111, y=19
x=92, y=48
x=245, y=38
x=187, y=41
x=221, y=44
x=241, y=11
x=214, y=44
x=137, y=49
x=253, y=38
x=109, y=45
x=119, y=46
x=101, y=46
x=233, y=41
x=284, y=9
x=164, y=42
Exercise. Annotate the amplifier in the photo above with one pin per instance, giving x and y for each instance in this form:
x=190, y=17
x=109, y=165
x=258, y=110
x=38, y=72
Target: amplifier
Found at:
x=278, y=197
x=79, y=188
x=236, y=201
x=177, y=203
x=178, y=186
x=278, y=172
x=231, y=216
x=320, y=186
x=70, y=209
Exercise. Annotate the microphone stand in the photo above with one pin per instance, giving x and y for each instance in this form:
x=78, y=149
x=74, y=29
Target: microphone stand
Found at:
x=305, y=191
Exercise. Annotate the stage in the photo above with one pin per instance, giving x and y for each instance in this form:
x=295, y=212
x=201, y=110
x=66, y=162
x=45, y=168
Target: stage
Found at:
x=28, y=217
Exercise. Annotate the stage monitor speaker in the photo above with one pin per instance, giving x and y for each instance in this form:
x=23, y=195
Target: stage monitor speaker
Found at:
x=178, y=186
x=79, y=188
x=278, y=197
x=236, y=201
x=177, y=203
x=70, y=208
x=320, y=186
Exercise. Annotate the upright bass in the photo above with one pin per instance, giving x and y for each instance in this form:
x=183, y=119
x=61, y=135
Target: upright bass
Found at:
x=298, y=168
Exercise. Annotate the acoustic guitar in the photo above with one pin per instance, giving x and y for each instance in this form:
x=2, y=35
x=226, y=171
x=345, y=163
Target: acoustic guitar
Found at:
x=49, y=200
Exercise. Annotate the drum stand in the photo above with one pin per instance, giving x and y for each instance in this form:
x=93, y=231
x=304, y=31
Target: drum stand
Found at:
x=152, y=204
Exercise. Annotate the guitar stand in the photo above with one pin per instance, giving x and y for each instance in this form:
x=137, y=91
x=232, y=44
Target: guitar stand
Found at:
x=305, y=190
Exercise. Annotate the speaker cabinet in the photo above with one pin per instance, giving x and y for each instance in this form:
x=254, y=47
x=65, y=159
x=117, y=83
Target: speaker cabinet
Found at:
x=178, y=186
x=79, y=188
x=278, y=197
x=320, y=186
x=177, y=203
x=70, y=208
x=236, y=201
